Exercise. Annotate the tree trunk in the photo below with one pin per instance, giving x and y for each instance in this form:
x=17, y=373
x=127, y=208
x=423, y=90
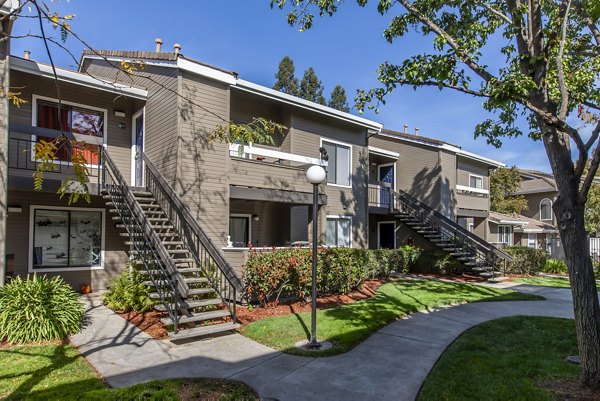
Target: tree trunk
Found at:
x=570, y=217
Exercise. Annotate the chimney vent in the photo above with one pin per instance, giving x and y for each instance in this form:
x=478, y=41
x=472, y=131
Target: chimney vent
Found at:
x=417, y=131
x=158, y=42
x=177, y=48
x=27, y=54
x=406, y=128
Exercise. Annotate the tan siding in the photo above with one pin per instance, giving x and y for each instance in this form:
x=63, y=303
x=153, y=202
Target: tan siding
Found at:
x=448, y=200
x=533, y=203
x=161, y=110
x=306, y=134
x=250, y=173
x=273, y=225
x=17, y=243
x=4, y=51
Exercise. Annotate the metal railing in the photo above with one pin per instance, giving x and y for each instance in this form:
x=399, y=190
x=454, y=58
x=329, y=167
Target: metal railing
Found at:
x=399, y=201
x=207, y=256
x=150, y=251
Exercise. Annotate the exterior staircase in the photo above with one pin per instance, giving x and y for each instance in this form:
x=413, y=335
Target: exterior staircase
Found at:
x=475, y=254
x=188, y=276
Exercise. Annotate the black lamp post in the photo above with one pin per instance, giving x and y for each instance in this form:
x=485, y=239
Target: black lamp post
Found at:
x=315, y=175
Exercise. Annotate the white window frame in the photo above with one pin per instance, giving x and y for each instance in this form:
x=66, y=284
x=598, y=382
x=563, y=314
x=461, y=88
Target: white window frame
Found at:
x=471, y=227
x=476, y=176
x=379, y=223
x=339, y=217
x=551, y=211
x=140, y=112
x=31, y=269
x=249, y=217
x=530, y=237
x=510, y=234
x=349, y=161
x=379, y=179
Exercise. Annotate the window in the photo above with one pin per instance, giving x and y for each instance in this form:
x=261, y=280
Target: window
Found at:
x=338, y=166
x=66, y=238
x=86, y=125
x=476, y=181
x=338, y=232
x=505, y=235
x=532, y=240
x=546, y=209
x=471, y=227
x=239, y=230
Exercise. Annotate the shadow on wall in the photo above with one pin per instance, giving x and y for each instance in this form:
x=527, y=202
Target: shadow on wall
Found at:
x=429, y=188
x=357, y=205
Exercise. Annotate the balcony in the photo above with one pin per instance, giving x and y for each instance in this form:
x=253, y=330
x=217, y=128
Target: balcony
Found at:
x=270, y=169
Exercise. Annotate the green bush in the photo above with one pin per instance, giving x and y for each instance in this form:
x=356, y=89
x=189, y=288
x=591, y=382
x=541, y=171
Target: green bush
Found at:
x=38, y=309
x=128, y=292
x=436, y=262
x=526, y=260
x=271, y=274
x=555, y=266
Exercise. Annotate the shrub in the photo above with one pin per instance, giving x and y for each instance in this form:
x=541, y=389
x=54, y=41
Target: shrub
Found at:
x=526, y=260
x=436, y=262
x=38, y=309
x=555, y=266
x=128, y=292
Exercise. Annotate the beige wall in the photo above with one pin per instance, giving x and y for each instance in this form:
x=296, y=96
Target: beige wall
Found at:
x=273, y=226
x=533, y=206
x=4, y=76
x=465, y=168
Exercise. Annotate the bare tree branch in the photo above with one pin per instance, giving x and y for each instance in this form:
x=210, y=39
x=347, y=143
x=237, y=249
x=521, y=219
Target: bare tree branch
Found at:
x=593, y=137
x=446, y=85
x=497, y=13
x=522, y=37
x=593, y=169
x=562, y=84
x=591, y=105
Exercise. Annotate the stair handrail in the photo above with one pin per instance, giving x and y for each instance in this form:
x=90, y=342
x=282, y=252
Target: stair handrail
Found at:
x=160, y=255
x=190, y=231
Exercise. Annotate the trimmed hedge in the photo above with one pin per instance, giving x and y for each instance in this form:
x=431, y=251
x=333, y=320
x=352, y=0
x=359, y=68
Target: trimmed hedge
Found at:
x=526, y=260
x=555, y=266
x=271, y=274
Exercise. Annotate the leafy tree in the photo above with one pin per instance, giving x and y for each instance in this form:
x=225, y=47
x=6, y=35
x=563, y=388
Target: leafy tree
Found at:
x=338, y=100
x=551, y=66
x=286, y=79
x=592, y=210
x=311, y=87
x=504, y=182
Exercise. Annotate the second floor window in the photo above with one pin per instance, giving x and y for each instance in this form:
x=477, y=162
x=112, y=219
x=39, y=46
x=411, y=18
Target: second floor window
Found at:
x=546, y=209
x=338, y=166
x=505, y=235
x=476, y=181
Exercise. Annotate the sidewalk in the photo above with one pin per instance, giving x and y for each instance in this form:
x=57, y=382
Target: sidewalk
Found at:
x=391, y=364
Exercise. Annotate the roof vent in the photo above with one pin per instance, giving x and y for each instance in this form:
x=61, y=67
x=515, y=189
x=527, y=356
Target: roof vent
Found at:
x=177, y=48
x=417, y=131
x=406, y=128
x=27, y=54
x=158, y=42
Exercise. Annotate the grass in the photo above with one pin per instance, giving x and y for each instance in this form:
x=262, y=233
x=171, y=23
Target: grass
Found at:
x=348, y=325
x=59, y=372
x=557, y=282
x=504, y=360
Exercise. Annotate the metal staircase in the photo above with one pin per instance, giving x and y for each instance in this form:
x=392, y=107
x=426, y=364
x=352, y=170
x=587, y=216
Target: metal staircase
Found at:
x=477, y=255
x=193, y=283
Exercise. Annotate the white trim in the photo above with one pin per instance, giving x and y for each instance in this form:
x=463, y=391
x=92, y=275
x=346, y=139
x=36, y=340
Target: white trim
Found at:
x=140, y=112
x=205, y=71
x=511, y=222
x=77, y=78
x=160, y=63
x=340, y=217
x=276, y=154
x=470, y=189
x=536, y=191
x=539, y=231
x=551, y=211
x=510, y=235
x=379, y=223
x=379, y=179
x=471, y=227
x=473, y=156
x=383, y=152
x=535, y=240
x=249, y=217
x=33, y=208
x=350, y=161
x=476, y=176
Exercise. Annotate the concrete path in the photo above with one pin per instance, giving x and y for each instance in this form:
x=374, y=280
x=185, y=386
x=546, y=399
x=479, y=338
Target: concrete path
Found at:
x=390, y=365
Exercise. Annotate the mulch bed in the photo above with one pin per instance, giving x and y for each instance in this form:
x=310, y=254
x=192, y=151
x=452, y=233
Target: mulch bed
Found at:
x=6, y=344
x=568, y=390
x=148, y=322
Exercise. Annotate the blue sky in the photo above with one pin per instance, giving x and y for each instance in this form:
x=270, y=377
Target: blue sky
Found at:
x=248, y=37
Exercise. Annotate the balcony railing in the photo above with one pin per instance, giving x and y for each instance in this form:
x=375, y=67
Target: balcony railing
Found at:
x=273, y=156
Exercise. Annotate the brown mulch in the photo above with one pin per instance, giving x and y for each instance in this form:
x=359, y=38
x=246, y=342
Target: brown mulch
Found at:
x=461, y=278
x=568, y=390
x=6, y=344
x=148, y=322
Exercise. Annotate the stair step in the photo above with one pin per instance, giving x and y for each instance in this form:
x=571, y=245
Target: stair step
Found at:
x=145, y=200
x=168, y=234
x=192, y=291
x=465, y=258
x=191, y=304
x=427, y=232
x=166, y=243
x=487, y=274
x=203, y=331
x=482, y=268
x=155, y=227
x=432, y=236
x=142, y=194
x=171, y=251
x=184, y=270
x=452, y=249
x=198, y=317
x=188, y=280
x=458, y=254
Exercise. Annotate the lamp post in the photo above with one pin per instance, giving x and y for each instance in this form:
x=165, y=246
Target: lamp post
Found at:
x=315, y=175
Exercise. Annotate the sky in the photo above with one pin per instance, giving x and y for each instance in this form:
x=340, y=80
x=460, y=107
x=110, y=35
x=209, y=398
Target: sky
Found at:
x=247, y=37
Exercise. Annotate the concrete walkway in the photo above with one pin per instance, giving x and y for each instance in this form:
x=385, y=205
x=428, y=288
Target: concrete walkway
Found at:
x=389, y=365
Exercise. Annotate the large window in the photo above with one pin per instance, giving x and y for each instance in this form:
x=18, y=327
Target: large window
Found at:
x=476, y=181
x=546, y=209
x=338, y=232
x=66, y=238
x=339, y=164
x=505, y=235
x=532, y=240
x=85, y=124
x=239, y=230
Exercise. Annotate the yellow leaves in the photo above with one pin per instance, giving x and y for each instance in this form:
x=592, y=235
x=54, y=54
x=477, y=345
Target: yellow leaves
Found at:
x=15, y=98
x=130, y=67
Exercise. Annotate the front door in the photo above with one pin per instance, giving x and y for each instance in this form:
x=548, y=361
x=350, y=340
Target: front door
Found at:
x=386, y=179
x=387, y=235
x=138, y=151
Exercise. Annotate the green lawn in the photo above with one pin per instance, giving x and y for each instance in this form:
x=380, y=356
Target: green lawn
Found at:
x=59, y=372
x=504, y=360
x=348, y=325
x=558, y=282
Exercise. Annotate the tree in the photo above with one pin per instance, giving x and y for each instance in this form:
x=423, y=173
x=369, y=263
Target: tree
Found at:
x=550, y=65
x=504, y=182
x=337, y=100
x=286, y=79
x=311, y=87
